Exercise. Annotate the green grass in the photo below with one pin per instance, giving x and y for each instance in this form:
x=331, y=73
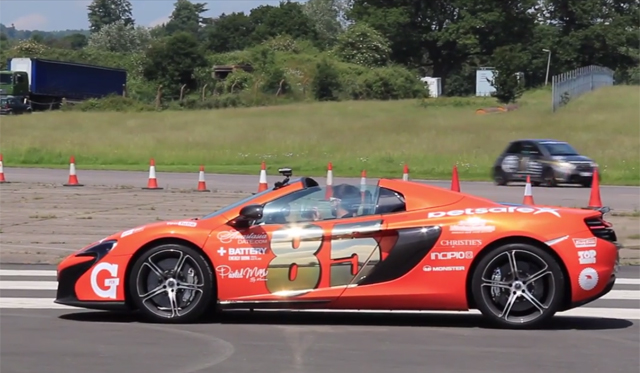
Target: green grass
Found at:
x=353, y=135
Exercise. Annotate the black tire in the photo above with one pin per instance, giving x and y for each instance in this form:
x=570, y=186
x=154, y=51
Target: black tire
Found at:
x=143, y=280
x=548, y=178
x=500, y=178
x=587, y=184
x=492, y=296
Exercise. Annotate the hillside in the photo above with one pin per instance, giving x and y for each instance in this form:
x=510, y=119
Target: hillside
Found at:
x=430, y=135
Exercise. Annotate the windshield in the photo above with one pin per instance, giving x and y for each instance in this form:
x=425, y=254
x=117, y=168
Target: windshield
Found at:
x=559, y=148
x=5, y=79
x=235, y=204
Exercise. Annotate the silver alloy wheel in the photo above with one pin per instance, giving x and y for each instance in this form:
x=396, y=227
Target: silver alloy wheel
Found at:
x=169, y=283
x=518, y=286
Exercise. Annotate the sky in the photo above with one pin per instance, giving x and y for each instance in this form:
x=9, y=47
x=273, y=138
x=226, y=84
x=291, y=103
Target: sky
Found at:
x=53, y=15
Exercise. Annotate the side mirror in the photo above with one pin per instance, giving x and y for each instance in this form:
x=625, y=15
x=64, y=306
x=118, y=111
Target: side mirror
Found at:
x=251, y=212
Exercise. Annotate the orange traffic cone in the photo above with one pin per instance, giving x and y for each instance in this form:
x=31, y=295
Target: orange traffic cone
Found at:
x=455, y=182
x=152, y=184
x=528, y=195
x=405, y=173
x=2, y=179
x=594, y=198
x=262, y=183
x=73, y=178
x=329, y=191
x=202, y=185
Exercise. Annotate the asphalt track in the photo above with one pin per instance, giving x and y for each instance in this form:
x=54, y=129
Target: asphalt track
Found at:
x=617, y=197
x=39, y=336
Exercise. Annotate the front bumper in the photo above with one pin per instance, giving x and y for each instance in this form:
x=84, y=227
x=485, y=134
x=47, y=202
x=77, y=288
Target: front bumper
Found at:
x=69, y=276
x=577, y=176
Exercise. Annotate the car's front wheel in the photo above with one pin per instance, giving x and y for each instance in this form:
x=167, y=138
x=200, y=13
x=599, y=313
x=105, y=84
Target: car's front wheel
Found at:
x=171, y=283
x=518, y=286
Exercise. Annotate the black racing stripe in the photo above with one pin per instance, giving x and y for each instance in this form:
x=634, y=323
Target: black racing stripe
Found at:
x=412, y=246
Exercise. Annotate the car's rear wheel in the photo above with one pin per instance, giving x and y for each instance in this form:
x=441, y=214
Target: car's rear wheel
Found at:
x=171, y=283
x=549, y=178
x=518, y=286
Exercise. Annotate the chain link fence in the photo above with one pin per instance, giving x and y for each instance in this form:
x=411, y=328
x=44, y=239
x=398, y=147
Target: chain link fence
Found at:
x=575, y=83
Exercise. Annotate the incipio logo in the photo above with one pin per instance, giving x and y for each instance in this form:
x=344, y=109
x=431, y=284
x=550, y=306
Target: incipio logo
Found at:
x=495, y=210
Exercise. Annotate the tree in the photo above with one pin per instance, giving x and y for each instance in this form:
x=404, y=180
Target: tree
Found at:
x=363, y=45
x=186, y=17
x=229, y=33
x=120, y=38
x=106, y=12
x=508, y=62
x=325, y=15
x=287, y=18
x=326, y=84
x=172, y=62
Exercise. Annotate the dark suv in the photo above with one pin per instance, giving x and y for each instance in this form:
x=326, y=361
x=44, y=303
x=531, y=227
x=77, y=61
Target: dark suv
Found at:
x=547, y=162
x=10, y=105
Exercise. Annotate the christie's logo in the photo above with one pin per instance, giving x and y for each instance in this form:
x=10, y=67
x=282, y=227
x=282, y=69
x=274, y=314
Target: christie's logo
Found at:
x=452, y=243
x=495, y=210
x=251, y=238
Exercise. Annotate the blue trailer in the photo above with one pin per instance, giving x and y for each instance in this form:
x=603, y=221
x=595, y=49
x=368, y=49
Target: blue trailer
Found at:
x=48, y=82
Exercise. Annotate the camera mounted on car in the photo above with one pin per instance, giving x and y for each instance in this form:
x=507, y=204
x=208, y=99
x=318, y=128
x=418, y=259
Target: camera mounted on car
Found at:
x=287, y=173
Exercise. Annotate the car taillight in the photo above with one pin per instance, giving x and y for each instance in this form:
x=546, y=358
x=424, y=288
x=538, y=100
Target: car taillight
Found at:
x=601, y=228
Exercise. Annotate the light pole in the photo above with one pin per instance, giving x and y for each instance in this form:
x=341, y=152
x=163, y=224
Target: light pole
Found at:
x=546, y=80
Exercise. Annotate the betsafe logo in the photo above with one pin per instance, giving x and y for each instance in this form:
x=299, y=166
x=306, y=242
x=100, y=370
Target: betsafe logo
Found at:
x=495, y=210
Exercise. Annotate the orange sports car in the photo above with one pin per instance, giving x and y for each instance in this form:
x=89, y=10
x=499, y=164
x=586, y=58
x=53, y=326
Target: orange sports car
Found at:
x=395, y=244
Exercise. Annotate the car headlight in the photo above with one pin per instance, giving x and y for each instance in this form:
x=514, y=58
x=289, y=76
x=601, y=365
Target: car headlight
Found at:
x=99, y=250
x=594, y=165
x=566, y=166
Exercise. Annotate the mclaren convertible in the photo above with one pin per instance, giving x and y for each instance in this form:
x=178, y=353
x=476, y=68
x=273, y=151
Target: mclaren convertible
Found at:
x=389, y=245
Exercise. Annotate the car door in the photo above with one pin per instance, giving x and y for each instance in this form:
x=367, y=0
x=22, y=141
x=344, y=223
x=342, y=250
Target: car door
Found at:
x=286, y=259
x=529, y=161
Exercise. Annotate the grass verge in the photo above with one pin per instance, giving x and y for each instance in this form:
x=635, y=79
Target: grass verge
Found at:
x=354, y=135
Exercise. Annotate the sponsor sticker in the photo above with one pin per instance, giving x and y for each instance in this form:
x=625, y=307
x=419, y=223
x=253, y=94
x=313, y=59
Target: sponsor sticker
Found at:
x=243, y=253
x=131, y=231
x=429, y=268
x=454, y=243
x=587, y=257
x=495, y=210
x=581, y=243
x=108, y=287
x=588, y=279
x=239, y=238
x=452, y=255
x=471, y=225
x=191, y=224
x=252, y=274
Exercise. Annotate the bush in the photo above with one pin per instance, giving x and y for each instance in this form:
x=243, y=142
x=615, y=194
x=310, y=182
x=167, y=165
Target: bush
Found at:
x=387, y=83
x=109, y=103
x=326, y=84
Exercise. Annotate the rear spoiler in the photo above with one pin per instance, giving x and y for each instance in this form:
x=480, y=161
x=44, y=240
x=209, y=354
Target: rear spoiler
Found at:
x=602, y=210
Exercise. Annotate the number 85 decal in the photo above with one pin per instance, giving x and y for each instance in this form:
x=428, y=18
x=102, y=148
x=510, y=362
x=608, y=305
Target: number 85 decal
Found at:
x=298, y=266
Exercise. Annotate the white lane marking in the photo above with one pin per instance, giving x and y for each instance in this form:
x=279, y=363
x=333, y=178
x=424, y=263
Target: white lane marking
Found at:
x=28, y=272
x=28, y=285
x=622, y=295
x=615, y=313
x=627, y=281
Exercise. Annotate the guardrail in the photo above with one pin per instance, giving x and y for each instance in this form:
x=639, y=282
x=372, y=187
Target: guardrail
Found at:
x=575, y=83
